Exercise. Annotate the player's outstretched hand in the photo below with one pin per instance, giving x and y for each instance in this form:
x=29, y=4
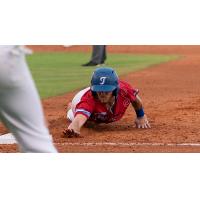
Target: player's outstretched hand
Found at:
x=69, y=133
x=142, y=122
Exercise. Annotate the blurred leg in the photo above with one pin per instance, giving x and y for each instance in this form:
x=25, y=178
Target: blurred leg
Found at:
x=98, y=54
x=20, y=106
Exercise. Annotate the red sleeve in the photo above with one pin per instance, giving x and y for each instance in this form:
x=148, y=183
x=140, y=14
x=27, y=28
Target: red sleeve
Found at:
x=133, y=93
x=130, y=91
x=85, y=106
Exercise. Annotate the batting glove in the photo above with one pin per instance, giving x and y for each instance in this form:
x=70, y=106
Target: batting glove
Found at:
x=71, y=134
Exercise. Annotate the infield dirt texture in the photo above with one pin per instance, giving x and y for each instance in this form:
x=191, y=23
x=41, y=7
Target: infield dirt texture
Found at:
x=171, y=97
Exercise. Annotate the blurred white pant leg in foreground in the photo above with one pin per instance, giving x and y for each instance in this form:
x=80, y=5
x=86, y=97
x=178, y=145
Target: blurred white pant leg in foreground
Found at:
x=20, y=107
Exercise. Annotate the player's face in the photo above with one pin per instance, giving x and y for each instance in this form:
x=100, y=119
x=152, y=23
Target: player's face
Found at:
x=104, y=97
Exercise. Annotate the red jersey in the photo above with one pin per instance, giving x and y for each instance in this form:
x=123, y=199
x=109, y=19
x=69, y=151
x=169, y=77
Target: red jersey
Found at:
x=94, y=110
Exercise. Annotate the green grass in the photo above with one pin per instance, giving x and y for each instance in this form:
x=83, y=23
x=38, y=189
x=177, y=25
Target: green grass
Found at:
x=58, y=73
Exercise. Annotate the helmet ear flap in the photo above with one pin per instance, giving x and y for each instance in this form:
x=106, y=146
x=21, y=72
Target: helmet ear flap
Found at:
x=94, y=94
x=115, y=91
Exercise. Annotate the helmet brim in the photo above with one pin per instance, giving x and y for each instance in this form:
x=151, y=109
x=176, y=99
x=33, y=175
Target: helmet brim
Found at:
x=102, y=88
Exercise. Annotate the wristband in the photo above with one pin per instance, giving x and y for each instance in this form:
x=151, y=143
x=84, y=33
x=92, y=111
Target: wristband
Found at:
x=140, y=112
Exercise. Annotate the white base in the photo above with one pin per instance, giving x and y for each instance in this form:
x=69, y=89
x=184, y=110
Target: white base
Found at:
x=7, y=139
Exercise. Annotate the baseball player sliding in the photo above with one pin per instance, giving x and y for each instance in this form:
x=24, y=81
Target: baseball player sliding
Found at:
x=20, y=106
x=105, y=101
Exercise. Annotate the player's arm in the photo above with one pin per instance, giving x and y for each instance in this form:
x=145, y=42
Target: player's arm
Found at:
x=74, y=129
x=141, y=120
x=77, y=123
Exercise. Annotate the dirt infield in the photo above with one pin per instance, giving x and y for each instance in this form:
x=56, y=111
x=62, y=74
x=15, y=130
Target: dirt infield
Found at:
x=170, y=94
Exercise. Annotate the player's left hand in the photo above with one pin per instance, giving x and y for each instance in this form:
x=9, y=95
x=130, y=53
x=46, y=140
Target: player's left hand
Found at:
x=142, y=122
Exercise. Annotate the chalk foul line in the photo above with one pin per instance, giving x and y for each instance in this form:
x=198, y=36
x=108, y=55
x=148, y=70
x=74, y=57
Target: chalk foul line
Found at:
x=9, y=139
x=124, y=144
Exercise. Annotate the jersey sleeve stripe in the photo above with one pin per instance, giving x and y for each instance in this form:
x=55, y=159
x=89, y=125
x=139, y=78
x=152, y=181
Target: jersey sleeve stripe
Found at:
x=85, y=112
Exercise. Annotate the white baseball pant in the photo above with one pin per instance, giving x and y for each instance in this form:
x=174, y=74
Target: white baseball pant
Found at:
x=20, y=106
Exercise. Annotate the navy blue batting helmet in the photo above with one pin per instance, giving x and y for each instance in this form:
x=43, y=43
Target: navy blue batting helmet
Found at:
x=104, y=79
